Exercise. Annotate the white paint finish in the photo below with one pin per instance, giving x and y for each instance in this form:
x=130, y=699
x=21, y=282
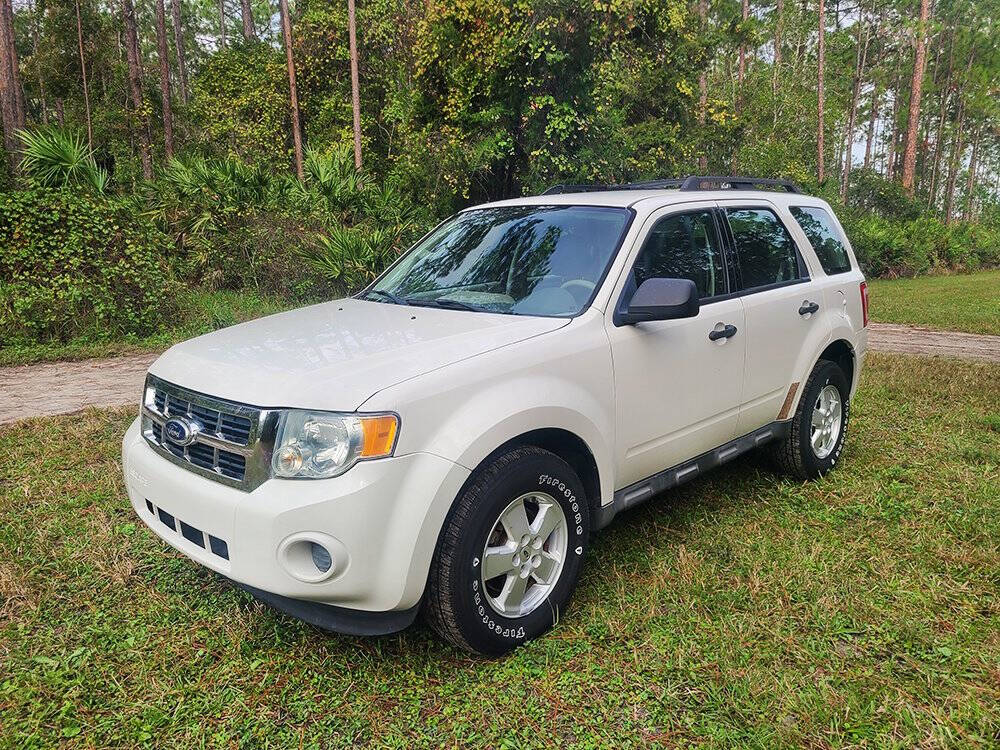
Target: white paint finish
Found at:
x=335, y=355
x=677, y=393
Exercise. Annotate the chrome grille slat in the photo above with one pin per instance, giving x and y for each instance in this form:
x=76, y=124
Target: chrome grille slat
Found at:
x=236, y=441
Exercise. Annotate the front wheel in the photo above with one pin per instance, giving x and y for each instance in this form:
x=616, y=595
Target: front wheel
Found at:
x=816, y=438
x=510, y=553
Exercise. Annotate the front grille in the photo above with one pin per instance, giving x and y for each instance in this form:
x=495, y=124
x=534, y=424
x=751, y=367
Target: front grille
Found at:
x=231, y=442
x=228, y=426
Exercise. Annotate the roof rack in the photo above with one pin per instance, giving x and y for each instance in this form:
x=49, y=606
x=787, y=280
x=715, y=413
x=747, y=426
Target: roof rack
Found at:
x=687, y=184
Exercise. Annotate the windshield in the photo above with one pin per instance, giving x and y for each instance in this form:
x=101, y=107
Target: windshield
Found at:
x=523, y=260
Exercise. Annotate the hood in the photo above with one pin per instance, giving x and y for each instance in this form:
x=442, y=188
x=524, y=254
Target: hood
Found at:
x=336, y=355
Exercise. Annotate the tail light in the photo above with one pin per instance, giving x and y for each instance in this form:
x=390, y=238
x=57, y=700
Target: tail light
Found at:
x=864, y=302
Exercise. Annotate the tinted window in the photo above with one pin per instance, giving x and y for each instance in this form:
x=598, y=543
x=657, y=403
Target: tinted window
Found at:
x=684, y=246
x=524, y=260
x=765, y=250
x=824, y=238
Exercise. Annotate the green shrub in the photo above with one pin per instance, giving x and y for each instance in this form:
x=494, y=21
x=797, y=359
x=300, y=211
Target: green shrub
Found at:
x=55, y=157
x=73, y=264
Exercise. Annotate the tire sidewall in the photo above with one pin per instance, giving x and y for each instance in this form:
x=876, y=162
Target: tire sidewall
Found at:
x=483, y=627
x=827, y=373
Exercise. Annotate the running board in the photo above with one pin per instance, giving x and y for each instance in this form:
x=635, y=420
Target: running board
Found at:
x=641, y=491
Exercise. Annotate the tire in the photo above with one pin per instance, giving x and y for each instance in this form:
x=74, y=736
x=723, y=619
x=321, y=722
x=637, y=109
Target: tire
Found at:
x=462, y=605
x=796, y=454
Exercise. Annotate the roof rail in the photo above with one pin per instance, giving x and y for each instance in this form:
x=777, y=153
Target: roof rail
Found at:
x=687, y=184
x=731, y=182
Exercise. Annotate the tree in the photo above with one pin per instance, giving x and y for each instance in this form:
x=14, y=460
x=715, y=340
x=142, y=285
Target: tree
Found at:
x=11, y=93
x=161, y=52
x=83, y=75
x=910, y=152
x=861, y=55
x=246, y=14
x=175, y=17
x=222, y=24
x=135, y=88
x=293, y=94
x=355, y=88
x=703, y=87
x=819, y=91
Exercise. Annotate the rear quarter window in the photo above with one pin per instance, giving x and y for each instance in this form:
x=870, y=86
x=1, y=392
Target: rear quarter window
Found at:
x=824, y=237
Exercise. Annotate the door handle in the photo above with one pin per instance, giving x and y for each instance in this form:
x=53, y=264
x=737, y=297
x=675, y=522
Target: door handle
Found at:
x=726, y=333
x=808, y=307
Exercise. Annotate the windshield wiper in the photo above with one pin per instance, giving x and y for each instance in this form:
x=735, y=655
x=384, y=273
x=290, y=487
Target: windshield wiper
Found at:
x=393, y=298
x=444, y=302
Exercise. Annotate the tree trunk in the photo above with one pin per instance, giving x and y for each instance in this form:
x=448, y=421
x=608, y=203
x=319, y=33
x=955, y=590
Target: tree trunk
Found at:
x=939, y=133
x=703, y=91
x=776, y=68
x=9, y=82
x=222, y=24
x=246, y=13
x=164, y=55
x=872, y=118
x=819, y=91
x=60, y=114
x=970, y=183
x=355, y=87
x=83, y=76
x=15, y=67
x=956, y=159
x=175, y=17
x=890, y=157
x=742, y=67
x=859, y=70
x=910, y=151
x=286, y=29
x=135, y=88
x=36, y=20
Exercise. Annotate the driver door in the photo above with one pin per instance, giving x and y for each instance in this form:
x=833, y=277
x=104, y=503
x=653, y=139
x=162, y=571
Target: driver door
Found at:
x=677, y=391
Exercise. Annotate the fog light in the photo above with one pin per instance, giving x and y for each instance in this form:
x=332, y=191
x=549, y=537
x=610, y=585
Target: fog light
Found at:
x=321, y=557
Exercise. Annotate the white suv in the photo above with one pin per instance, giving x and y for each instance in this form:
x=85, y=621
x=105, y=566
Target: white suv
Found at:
x=450, y=438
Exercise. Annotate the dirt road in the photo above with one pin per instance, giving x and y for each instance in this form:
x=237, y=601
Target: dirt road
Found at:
x=63, y=387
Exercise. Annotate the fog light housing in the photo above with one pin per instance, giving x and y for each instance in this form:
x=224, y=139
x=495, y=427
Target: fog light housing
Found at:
x=312, y=557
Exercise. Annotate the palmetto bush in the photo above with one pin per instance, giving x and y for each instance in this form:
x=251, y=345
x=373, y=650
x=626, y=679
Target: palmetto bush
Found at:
x=352, y=257
x=56, y=158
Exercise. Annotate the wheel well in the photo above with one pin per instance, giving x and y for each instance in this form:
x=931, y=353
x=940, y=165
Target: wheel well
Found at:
x=842, y=353
x=570, y=448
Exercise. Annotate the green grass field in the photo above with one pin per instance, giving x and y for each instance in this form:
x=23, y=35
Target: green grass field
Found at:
x=960, y=302
x=739, y=610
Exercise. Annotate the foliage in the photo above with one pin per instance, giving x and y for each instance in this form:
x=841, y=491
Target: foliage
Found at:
x=240, y=105
x=73, y=262
x=54, y=157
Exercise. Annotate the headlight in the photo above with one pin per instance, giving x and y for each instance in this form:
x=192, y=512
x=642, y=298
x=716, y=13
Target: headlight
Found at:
x=322, y=444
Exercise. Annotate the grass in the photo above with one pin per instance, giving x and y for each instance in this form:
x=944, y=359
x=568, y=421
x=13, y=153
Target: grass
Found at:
x=960, y=302
x=203, y=311
x=740, y=610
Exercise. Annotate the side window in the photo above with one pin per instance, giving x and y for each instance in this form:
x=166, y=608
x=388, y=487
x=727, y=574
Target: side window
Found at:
x=824, y=238
x=684, y=246
x=765, y=249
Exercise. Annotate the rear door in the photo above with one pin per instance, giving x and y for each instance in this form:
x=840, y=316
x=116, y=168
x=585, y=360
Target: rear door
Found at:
x=779, y=302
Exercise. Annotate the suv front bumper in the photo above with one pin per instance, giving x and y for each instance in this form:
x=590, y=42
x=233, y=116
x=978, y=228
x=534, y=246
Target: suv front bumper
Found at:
x=380, y=522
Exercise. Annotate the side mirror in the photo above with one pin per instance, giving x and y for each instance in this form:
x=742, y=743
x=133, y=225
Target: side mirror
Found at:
x=661, y=299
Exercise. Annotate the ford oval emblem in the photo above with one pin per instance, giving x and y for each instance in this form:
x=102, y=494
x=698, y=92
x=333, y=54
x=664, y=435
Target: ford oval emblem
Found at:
x=181, y=431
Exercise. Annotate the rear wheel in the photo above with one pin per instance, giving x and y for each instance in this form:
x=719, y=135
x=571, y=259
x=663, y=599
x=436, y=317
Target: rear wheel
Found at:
x=816, y=438
x=510, y=553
